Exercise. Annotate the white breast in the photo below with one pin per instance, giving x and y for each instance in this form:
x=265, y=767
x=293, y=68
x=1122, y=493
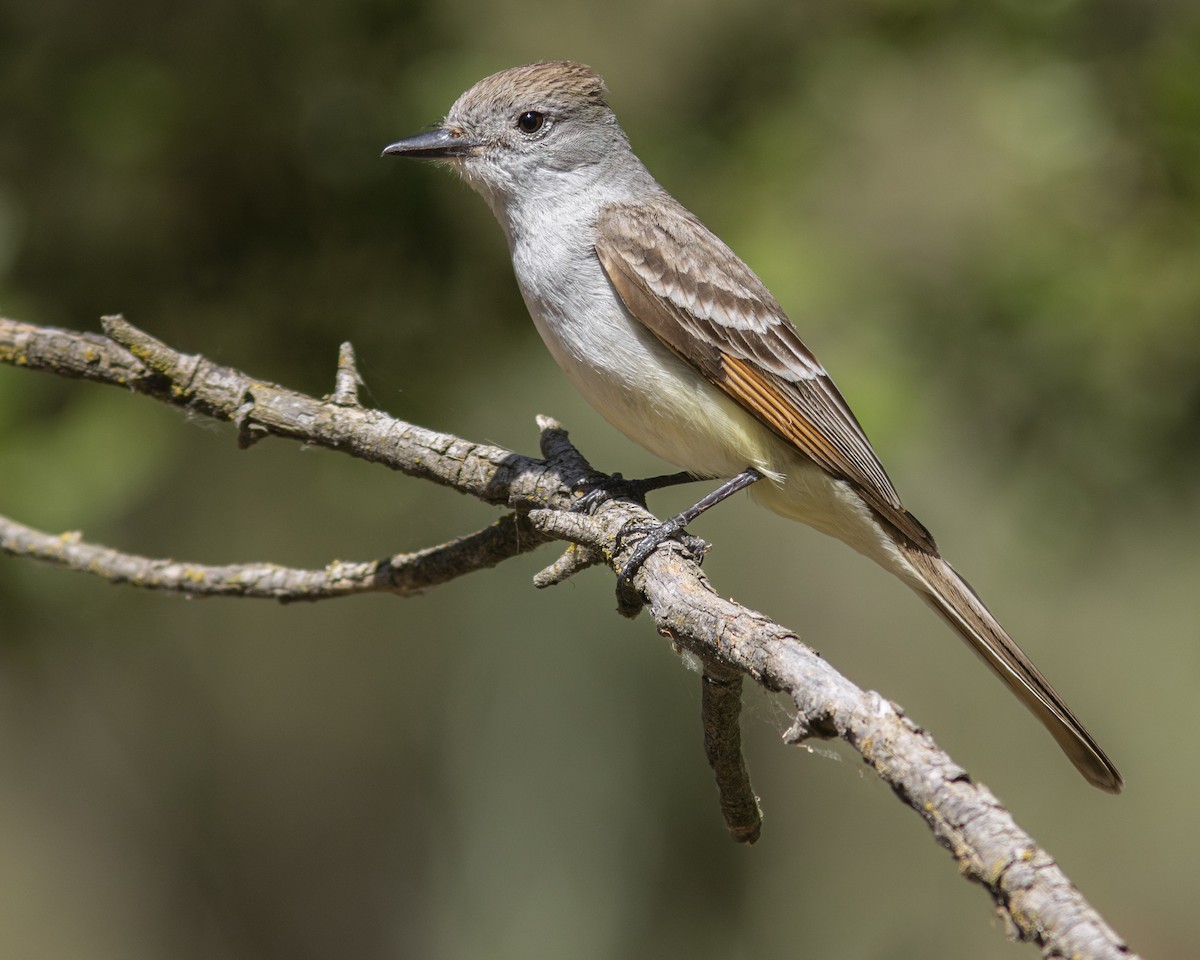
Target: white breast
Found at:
x=634, y=381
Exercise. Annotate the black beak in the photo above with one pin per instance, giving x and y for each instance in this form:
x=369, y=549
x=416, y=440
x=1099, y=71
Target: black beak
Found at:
x=433, y=144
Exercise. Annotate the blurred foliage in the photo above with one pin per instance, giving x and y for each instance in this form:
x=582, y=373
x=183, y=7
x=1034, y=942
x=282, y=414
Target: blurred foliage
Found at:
x=984, y=218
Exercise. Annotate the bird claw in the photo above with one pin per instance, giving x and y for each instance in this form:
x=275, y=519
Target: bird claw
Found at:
x=652, y=536
x=599, y=490
x=616, y=487
x=593, y=493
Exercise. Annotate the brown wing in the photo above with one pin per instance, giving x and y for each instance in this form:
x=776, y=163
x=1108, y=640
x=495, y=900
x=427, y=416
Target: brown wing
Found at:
x=694, y=294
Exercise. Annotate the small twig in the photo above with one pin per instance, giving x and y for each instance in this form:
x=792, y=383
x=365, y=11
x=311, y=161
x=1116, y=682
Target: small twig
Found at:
x=557, y=447
x=572, y=561
x=720, y=709
x=404, y=574
x=347, y=380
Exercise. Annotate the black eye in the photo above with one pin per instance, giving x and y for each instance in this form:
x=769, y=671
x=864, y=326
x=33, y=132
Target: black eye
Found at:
x=530, y=121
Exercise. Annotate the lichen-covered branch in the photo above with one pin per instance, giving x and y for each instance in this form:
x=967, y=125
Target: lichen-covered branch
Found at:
x=1027, y=887
x=133, y=359
x=404, y=574
x=1036, y=899
x=720, y=707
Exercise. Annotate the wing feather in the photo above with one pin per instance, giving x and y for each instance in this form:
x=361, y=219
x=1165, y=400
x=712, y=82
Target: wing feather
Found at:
x=706, y=305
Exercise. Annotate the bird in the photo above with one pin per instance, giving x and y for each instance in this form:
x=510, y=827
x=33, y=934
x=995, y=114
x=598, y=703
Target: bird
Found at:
x=679, y=345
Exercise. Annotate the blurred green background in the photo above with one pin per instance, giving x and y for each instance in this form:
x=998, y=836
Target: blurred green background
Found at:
x=984, y=218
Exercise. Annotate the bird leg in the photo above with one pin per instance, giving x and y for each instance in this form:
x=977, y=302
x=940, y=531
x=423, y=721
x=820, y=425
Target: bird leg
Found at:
x=654, y=534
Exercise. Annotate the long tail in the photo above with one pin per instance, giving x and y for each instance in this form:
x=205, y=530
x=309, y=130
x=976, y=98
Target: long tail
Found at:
x=952, y=597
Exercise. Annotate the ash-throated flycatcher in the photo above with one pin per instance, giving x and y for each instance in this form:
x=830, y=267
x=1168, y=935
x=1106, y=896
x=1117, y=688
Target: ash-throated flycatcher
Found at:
x=682, y=348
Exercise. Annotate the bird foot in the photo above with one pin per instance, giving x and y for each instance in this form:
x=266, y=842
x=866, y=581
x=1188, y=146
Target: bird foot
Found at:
x=652, y=536
x=594, y=492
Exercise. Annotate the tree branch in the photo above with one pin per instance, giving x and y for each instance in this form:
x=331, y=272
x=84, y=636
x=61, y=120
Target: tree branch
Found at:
x=135, y=360
x=1027, y=887
x=1029, y=890
x=404, y=574
x=720, y=706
